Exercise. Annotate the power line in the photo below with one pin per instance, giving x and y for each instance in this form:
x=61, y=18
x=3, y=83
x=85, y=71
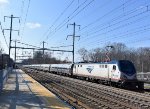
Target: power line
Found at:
x=25, y=44
x=4, y=35
x=131, y=33
x=81, y=9
x=70, y=18
x=127, y=24
x=59, y=17
x=58, y=28
x=145, y=11
x=62, y=46
x=22, y=11
x=137, y=41
x=119, y=27
x=65, y=21
x=115, y=19
x=95, y=10
x=106, y=3
x=105, y=15
x=26, y=16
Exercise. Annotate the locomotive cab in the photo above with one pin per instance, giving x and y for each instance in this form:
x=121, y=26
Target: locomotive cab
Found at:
x=128, y=74
x=127, y=70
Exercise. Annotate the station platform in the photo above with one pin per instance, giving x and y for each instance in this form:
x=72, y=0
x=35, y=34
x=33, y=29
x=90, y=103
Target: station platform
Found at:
x=23, y=92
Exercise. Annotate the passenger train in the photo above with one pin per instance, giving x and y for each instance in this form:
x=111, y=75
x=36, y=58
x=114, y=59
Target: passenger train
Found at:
x=120, y=72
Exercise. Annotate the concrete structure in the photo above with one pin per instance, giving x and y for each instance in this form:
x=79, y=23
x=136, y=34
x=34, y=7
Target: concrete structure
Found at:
x=23, y=92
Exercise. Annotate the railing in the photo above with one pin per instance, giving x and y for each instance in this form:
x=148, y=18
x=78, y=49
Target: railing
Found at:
x=4, y=76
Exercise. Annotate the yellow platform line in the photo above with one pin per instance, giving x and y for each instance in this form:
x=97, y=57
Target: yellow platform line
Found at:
x=47, y=97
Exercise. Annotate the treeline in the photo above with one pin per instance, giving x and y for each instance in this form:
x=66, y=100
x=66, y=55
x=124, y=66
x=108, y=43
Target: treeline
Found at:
x=119, y=51
x=39, y=58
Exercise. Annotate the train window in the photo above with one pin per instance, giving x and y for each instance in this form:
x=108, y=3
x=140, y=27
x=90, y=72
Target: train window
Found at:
x=80, y=65
x=102, y=66
x=74, y=66
x=105, y=66
x=114, y=67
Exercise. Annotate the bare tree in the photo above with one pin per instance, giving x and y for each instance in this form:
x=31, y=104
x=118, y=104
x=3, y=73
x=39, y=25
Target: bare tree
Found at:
x=83, y=54
x=118, y=51
x=97, y=55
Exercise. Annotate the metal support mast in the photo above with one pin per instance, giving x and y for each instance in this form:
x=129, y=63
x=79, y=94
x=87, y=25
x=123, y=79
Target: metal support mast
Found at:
x=43, y=47
x=15, y=50
x=43, y=52
x=11, y=23
x=73, y=37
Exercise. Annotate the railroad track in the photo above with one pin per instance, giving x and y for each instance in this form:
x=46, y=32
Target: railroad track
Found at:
x=87, y=95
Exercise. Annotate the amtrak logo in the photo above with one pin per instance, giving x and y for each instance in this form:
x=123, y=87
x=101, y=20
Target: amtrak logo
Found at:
x=90, y=68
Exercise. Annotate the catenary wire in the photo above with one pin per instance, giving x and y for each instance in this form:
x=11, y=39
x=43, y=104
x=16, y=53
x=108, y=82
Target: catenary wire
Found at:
x=4, y=35
x=61, y=14
x=26, y=16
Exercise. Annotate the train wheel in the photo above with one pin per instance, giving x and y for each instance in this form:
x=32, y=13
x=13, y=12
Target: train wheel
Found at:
x=140, y=85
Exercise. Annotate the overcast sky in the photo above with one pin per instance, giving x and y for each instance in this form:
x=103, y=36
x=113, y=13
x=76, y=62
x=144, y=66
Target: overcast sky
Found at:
x=101, y=22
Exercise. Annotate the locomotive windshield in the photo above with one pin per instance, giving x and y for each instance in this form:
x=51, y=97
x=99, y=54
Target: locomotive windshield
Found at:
x=127, y=67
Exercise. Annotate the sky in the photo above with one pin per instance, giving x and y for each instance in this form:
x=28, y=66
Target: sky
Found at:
x=101, y=22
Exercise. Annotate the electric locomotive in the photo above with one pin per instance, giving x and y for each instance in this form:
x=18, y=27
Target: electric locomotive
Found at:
x=119, y=73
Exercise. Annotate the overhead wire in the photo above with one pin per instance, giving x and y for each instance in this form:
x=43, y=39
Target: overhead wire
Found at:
x=25, y=44
x=62, y=46
x=114, y=19
x=101, y=6
x=3, y=35
x=65, y=21
x=123, y=38
x=127, y=33
x=102, y=16
x=57, y=19
x=145, y=11
x=95, y=10
x=95, y=21
x=70, y=18
x=119, y=27
x=26, y=16
x=21, y=14
x=75, y=14
x=137, y=41
x=114, y=25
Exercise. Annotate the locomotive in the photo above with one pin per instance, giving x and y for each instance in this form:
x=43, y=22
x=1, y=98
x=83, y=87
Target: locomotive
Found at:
x=120, y=73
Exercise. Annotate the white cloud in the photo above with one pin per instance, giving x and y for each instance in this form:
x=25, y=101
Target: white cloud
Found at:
x=33, y=25
x=3, y=2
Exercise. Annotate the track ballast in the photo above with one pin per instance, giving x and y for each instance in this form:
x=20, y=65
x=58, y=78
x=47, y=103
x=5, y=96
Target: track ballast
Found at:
x=87, y=95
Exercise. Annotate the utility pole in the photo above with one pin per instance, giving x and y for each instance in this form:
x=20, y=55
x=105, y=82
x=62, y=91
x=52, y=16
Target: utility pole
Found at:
x=73, y=38
x=43, y=52
x=11, y=23
x=43, y=47
x=15, y=51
